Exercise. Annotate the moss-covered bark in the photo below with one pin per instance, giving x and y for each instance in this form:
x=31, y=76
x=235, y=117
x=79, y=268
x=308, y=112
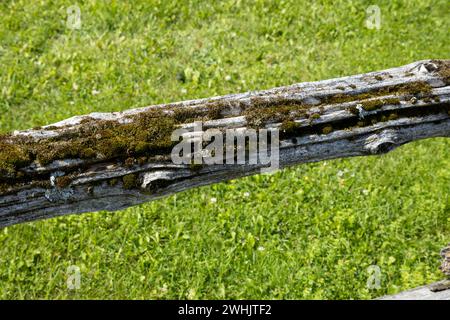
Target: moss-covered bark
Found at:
x=139, y=137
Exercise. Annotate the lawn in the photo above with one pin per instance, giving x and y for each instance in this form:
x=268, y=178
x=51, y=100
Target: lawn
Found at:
x=321, y=230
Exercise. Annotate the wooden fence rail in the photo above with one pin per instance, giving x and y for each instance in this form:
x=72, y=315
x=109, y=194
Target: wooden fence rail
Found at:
x=436, y=291
x=110, y=161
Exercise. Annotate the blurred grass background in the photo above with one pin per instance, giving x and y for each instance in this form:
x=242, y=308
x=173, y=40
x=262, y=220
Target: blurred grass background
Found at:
x=308, y=232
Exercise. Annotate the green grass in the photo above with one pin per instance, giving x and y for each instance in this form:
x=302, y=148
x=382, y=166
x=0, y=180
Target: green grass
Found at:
x=306, y=232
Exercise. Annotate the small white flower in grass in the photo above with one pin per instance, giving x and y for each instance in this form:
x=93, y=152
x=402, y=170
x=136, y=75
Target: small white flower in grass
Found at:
x=261, y=248
x=164, y=289
x=95, y=92
x=246, y=194
x=191, y=294
x=340, y=173
x=183, y=91
x=227, y=78
x=365, y=192
x=213, y=200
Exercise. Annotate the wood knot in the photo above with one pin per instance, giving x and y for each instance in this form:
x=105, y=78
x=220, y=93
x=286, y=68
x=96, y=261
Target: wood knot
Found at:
x=424, y=68
x=381, y=142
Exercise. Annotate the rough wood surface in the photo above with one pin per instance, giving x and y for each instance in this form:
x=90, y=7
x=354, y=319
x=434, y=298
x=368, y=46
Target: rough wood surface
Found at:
x=110, y=161
x=421, y=293
x=445, y=265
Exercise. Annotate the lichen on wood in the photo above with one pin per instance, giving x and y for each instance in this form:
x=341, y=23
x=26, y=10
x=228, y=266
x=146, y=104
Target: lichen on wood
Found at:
x=114, y=160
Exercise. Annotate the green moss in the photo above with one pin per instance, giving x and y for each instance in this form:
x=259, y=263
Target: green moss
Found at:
x=47, y=152
x=141, y=147
x=195, y=166
x=112, y=147
x=443, y=69
x=4, y=187
x=262, y=111
x=147, y=134
x=187, y=114
x=288, y=127
x=214, y=112
x=87, y=153
x=418, y=87
x=130, y=181
x=112, y=182
x=257, y=117
x=371, y=105
x=391, y=101
x=314, y=116
x=327, y=129
x=361, y=123
x=393, y=116
x=421, y=87
x=353, y=109
x=12, y=157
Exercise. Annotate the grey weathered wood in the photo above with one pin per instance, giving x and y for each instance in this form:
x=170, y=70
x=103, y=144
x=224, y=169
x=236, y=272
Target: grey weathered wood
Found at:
x=445, y=265
x=421, y=293
x=421, y=115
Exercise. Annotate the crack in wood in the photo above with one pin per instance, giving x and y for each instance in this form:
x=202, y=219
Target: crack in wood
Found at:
x=110, y=161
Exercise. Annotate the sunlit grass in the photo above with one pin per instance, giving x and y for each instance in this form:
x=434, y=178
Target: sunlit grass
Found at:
x=310, y=231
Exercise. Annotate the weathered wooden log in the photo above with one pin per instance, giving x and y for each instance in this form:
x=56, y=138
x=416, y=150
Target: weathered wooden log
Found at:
x=426, y=292
x=445, y=265
x=110, y=161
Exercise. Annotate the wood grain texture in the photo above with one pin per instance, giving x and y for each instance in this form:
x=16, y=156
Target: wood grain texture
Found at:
x=359, y=115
